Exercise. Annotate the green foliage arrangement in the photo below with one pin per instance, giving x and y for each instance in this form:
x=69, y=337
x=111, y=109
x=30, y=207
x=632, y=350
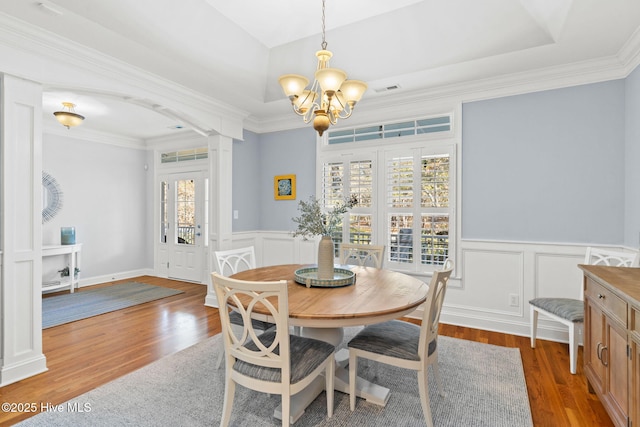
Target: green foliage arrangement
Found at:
x=314, y=222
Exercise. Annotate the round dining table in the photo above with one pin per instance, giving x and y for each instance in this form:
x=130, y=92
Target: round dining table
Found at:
x=376, y=296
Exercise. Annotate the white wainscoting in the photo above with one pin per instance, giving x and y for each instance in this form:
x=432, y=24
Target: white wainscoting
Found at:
x=499, y=278
x=492, y=285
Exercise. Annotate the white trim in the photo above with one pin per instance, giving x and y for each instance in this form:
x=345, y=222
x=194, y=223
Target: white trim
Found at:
x=478, y=297
x=204, y=112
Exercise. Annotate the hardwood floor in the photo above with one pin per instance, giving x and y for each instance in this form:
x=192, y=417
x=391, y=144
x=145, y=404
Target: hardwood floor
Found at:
x=88, y=353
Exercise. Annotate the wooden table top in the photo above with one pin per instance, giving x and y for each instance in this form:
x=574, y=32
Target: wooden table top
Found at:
x=625, y=280
x=378, y=295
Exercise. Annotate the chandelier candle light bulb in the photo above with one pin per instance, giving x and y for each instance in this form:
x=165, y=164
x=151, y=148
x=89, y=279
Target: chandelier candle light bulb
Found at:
x=330, y=97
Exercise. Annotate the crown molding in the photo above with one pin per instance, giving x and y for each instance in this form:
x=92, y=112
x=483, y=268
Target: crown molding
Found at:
x=629, y=54
x=211, y=116
x=385, y=108
x=208, y=113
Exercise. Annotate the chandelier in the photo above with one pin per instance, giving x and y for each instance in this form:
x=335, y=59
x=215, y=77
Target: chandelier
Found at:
x=330, y=97
x=68, y=118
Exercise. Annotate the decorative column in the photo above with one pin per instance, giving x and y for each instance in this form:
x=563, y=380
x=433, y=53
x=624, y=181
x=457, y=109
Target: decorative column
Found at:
x=21, y=229
x=220, y=207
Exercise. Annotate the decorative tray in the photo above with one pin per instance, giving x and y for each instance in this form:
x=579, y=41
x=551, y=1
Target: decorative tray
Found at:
x=309, y=276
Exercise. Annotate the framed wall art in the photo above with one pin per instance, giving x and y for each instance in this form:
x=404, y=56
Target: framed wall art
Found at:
x=284, y=187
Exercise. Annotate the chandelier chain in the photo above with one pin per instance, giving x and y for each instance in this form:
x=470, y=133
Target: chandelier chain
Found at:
x=324, y=42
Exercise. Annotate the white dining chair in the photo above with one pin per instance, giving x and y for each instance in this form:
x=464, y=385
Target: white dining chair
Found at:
x=405, y=344
x=273, y=362
x=230, y=262
x=362, y=255
x=570, y=311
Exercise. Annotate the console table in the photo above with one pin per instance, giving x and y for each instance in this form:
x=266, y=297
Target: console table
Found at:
x=72, y=256
x=612, y=339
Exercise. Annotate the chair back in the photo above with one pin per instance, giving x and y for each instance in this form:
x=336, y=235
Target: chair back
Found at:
x=235, y=260
x=597, y=256
x=433, y=308
x=246, y=297
x=362, y=255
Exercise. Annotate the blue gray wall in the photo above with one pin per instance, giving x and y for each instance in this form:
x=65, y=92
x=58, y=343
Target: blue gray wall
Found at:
x=246, y=185
x=106, y=197
x=546, y=166
x=557, y=166
x=256, y=161
x=632, y=159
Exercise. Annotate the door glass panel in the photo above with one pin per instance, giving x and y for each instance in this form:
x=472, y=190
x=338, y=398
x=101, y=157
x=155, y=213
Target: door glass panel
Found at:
x=186, y=212
x=164, y=216
x=206, y=211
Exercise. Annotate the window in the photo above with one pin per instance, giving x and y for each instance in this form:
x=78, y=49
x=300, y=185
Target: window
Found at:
x=405, y=189
x=342, y=180
x=417, y=208
x=184, y=155
x=437, y=124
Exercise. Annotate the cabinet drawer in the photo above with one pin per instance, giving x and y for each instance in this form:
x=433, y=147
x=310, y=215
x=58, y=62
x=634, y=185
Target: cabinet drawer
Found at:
x=607, y=300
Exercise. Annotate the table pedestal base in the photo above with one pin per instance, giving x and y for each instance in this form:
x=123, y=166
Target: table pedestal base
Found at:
x=373, y=393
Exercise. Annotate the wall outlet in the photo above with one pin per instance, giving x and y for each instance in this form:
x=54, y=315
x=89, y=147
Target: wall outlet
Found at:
x=514, y=300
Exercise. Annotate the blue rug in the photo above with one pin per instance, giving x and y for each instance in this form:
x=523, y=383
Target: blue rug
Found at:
x=80, y=305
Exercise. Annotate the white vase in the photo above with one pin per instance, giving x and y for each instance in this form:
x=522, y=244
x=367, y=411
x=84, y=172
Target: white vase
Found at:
x=325, y=258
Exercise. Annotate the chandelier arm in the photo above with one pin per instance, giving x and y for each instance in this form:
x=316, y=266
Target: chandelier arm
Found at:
x=344, y=114
x=332, y=117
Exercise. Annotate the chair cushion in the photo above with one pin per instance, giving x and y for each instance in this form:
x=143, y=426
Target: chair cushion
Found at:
x=236, y=319
x=394, y=338
x=306, y=355
x=565, y=308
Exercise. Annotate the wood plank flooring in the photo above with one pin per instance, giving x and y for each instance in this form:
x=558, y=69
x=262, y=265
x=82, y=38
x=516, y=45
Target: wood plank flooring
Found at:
x=88, y=353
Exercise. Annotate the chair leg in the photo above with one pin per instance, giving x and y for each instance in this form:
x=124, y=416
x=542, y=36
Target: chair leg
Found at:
x=220, y=357
x=330, y=374
x=353, y=369
x=436, y=374
x=423, y=389
x=286, y=410
x=229, y=392
x=534, y=325
x=573, y=348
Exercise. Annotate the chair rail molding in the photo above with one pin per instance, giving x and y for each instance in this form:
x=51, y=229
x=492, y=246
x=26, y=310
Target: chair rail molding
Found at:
x=493, y=282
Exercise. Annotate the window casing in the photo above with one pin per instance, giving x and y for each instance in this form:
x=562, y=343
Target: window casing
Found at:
x=406, y=190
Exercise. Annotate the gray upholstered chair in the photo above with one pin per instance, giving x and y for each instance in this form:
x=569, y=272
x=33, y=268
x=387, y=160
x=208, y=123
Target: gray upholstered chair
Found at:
x=273, y=362
x=362, y=255
x=570, y=311
x=230, y=262
x=404, y=344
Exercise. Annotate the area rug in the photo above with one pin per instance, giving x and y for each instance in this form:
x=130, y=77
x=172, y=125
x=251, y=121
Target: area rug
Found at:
x=80, y=305
x=484, y=386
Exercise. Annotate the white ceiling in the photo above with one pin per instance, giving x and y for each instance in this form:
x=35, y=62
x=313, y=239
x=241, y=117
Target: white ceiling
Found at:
x=234, y=51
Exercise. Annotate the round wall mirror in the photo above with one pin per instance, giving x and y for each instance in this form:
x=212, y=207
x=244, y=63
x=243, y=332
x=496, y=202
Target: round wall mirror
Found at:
x=51, y=197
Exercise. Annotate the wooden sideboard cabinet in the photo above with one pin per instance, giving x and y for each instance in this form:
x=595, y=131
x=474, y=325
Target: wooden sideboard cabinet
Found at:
x=612, y=339
x=634, y=327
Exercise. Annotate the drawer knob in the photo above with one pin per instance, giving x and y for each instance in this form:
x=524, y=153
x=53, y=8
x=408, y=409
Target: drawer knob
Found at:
x=600, y=296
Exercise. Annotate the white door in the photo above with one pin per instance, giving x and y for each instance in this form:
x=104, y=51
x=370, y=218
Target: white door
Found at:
x=184, y=224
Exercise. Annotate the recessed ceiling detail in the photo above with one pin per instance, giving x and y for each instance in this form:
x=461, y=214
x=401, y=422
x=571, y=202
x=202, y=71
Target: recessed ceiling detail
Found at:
x=214, y=50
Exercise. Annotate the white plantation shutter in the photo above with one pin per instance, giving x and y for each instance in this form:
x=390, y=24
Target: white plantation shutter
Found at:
x=344, y=179
x=417, y=209
x=404, y=177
